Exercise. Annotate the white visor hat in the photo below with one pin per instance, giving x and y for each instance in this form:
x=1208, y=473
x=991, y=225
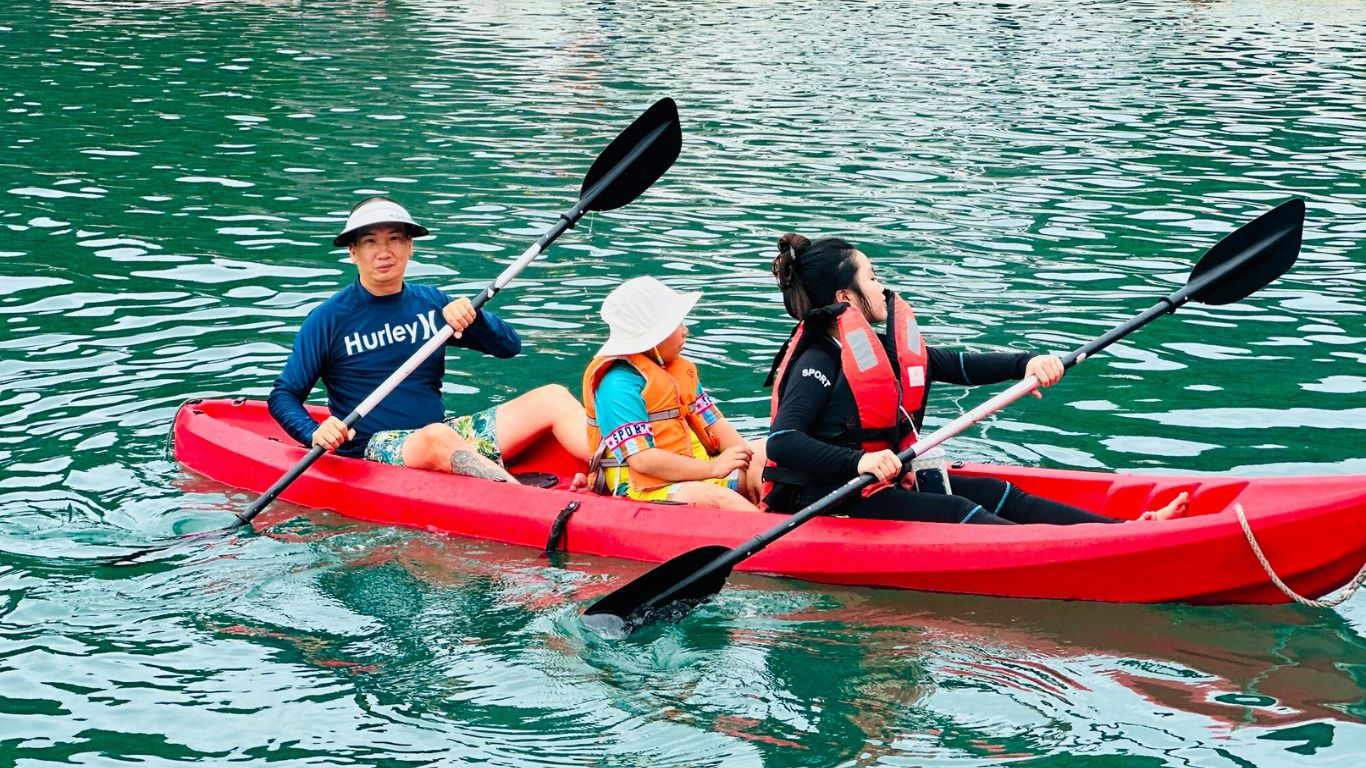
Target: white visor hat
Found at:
x=377, y=210
x=641, y=313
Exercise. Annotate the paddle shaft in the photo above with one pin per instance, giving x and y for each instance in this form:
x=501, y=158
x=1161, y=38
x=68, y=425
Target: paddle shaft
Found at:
x=567, y=221
x=732, y=557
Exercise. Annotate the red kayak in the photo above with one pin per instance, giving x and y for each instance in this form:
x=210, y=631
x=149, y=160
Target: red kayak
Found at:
x=1312, y=529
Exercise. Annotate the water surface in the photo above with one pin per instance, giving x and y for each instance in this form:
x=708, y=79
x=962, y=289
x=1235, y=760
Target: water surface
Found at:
x=1026, y=174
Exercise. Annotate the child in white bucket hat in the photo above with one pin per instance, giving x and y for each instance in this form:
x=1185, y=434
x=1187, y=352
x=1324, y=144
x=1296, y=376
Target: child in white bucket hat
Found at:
x=654, y=432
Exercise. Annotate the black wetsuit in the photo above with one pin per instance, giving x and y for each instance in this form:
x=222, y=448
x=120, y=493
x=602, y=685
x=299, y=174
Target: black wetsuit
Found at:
x=814, y=412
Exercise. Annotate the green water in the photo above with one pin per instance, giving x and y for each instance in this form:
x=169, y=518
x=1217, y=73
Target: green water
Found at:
x=1027, y=174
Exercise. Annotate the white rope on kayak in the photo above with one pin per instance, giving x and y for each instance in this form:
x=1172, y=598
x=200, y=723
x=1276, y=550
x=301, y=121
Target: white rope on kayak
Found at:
x=1342, y=597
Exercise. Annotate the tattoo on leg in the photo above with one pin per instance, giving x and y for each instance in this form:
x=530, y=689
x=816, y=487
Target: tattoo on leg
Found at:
x=471, y=464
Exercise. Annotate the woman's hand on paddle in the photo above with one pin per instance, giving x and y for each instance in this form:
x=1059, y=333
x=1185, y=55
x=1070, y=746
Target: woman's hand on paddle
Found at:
x=880, y=464
x=1048, y=369
x=332, y=433
x=460, y=314
x=731, y=459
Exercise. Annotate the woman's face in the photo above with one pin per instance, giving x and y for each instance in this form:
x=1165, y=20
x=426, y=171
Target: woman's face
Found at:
x=866, y=294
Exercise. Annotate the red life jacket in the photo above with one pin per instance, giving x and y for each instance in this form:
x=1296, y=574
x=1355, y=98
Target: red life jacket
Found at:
x=886, y=391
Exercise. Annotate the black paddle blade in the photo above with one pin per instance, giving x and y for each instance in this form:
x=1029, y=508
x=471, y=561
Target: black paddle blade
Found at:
x=1249, y=258
x=168, y=549
x=621, y=612
x=661, y=121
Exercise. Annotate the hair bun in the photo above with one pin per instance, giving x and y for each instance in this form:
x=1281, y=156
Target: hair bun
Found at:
x=793, y=242
x=790, y=247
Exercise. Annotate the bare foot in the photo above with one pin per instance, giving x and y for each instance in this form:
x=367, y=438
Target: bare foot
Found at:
x=1177, y=508
x=579, y=484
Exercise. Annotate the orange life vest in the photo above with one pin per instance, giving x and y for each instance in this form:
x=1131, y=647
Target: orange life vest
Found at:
x=673, y=406
x=887, y=390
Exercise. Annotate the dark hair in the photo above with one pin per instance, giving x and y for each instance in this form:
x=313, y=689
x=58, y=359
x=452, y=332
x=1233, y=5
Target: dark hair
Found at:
x=811, y=273
x=373, y=199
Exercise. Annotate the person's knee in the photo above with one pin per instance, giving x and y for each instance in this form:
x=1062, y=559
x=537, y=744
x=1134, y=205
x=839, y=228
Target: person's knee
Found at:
x=728, y=499
x=990, y=492
x=969, y=512
x=559, y=399
x=436, y=435
x=547, y=393
x=431, y=447
x=715, y=497
x=542, y=406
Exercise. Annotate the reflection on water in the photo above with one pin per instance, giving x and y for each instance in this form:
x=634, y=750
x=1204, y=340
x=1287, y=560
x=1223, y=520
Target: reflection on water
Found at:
x=1026, y=174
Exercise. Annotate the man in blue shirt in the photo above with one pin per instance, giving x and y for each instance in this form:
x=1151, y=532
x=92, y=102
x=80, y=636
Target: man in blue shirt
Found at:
x=365, y=331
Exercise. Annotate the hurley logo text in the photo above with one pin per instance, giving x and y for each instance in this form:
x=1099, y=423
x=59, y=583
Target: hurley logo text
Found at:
x=393, y=334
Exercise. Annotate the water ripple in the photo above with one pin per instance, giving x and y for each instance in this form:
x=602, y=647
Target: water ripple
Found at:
x=1028, y=175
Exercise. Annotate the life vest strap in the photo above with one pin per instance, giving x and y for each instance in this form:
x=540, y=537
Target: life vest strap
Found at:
x=671, y=413
x=858, y=436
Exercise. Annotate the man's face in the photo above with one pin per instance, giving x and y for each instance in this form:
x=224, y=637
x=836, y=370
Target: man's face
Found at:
x=381, y=253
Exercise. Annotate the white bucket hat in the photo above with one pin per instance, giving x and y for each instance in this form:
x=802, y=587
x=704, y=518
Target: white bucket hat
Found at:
x=377, y=210
x=641, y=313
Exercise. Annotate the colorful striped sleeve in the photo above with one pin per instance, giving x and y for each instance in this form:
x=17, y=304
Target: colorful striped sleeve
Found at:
x=706, y=406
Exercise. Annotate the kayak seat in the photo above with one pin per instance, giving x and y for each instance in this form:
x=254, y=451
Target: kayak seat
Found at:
x=537, y=479
x=1215, y=496
x=1129, y=500
x=1126, y=501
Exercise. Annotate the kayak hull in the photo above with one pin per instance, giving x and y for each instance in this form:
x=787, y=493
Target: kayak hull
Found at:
x=1312, y=529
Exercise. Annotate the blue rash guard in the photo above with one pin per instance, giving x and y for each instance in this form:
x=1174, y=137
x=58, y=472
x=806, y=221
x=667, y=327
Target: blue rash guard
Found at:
x=354, y=340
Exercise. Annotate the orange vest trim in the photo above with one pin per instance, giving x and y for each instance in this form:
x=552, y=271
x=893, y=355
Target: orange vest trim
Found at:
x=673, y=407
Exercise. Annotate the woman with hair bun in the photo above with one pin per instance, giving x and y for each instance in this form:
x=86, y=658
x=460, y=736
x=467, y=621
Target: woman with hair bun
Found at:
x=849, y=392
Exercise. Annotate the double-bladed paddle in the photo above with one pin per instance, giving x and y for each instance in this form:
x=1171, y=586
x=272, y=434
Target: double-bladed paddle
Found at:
x=1243, y=262
x=626, y=168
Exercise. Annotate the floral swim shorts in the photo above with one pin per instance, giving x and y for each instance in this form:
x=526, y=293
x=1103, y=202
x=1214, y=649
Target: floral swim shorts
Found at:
x=479, y=430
